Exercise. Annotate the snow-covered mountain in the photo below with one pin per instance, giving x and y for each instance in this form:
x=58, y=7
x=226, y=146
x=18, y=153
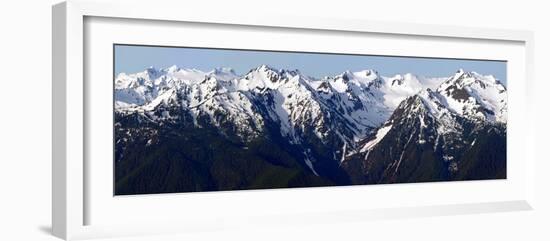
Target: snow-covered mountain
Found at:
x=440, y=126
x=364, y=99
x=341, y=128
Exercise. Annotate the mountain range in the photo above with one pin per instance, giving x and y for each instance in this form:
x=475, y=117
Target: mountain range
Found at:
x=185, y=130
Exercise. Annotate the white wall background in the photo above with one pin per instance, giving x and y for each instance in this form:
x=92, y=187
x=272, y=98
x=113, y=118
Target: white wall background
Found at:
x=25, y=119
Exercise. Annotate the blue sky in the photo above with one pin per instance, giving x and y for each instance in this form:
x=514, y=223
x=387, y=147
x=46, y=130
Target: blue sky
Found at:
x=131, y=59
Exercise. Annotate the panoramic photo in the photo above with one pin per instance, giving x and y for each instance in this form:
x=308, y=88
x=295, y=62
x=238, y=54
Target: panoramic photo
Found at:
x=204, y=119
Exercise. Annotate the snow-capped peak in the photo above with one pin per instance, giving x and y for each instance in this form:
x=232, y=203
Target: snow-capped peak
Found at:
x=362, y=77
x=463, y=78
x=367, y=73
x=400, y=79
x=265, y=77
x=172, y=69
x=473, y=95
x=265, y=68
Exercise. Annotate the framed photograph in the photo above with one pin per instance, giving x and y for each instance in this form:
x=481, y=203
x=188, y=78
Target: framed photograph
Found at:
x=179, y=123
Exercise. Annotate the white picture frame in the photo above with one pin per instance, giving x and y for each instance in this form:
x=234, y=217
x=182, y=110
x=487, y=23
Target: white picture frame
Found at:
x=71, y=190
